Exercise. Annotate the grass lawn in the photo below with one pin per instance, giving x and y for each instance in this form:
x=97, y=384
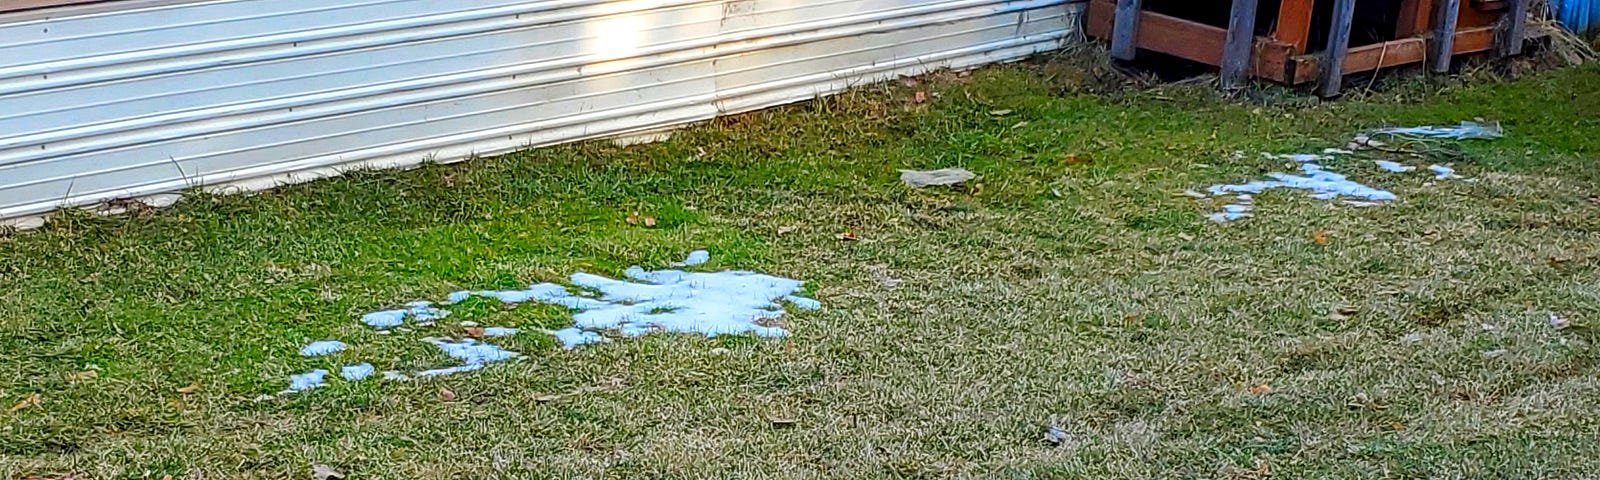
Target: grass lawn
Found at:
x=1071, y=283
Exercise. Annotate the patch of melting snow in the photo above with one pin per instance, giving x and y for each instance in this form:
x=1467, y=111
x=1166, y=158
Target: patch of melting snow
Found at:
x=697, y=257
x=356, y=372
x=710, y=304
x=1393, y=167
x=1442, y=172
x=423, y=313
x=1322, y=184
x=499, y=332
x=307, y=381
x=324, y=347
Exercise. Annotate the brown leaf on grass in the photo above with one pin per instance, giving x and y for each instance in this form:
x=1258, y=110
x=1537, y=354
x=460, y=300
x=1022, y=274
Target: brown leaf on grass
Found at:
x=1260, y=389
x=784, y=422
x=324, y=472
x=32, y=400
x=193, y=387
x=633, y=219
x=474, y=332
x=650, y=222
x=1320, y=236
x=920, y=97
x=1074, y=159
x=446, y=395
x=1397, y=426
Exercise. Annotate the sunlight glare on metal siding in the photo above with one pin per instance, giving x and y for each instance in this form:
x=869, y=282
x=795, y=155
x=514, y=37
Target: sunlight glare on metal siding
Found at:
x=249, y=94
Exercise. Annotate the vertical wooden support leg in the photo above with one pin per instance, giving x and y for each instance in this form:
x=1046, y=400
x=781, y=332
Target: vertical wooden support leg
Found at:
x=1294, y=23
x=1513, y=28
x=1241, y=40
x=1344, y=12
x=1125, y=32
x=1444, y=34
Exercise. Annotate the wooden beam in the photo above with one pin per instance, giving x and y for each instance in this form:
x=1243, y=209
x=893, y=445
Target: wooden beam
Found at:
x=1294, y=23
x=1239, y=40
x=1125, y=32
x=1514, y=29
x=1392, y=54
x=1344, y=12
x=1444, y=29
x=1192, y=41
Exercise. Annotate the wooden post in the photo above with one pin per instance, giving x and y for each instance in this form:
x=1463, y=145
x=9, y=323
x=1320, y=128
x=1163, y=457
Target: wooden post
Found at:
x=1240, y=41
x=1344, y=12
x=1294, y=23
x=1444, y=34
x=1125, y=33
x=1513, y=28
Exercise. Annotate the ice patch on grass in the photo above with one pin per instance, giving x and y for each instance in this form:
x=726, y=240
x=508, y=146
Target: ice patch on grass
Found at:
x=1318, y=181
x=356, y=372
x=1442, y=172
x=499, y=332
x=473, y=355
x=307, y=381
x=1393, y=167
x=1321, y=183
x=804, y=303
x=385, y=318
x=573, y=337
x=1464, y=131
x=324, y=347
x=710, y=304
x=421, y=312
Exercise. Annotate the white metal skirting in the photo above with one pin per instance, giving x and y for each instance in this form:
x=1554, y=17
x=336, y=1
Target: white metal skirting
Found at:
x=104, y=104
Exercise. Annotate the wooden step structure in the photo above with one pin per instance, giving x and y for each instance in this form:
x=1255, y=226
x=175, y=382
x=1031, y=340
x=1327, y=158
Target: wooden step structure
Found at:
x=1422, y=30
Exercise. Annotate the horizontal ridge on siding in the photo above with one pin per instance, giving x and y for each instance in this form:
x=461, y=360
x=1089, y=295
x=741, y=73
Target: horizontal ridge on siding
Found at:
x=249, y=94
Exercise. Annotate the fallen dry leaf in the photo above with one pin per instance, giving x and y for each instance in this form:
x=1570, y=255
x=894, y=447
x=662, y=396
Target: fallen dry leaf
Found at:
x=784, y=422
x=474, y=332
x=650, y=222
x=32, y=400
x=1397, y=426
x=633, y=219
x=324, y=472
x=1074, y=159
x=1320, y=236
x=848, y=236
x=193, y=387
x=920, y=97
x=1260, y=389
x=446, y=395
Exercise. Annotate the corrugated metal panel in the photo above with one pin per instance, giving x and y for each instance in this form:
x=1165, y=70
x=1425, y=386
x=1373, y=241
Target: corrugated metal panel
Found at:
x=254, y=93
x=1581, y=16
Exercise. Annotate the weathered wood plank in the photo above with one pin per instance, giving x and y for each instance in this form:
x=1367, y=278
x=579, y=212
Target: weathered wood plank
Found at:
x=1514, y=28
x=1239, y=41
x=1445, y=14
x=1125, y=32
x=1332, y=81
x=1294, y=24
